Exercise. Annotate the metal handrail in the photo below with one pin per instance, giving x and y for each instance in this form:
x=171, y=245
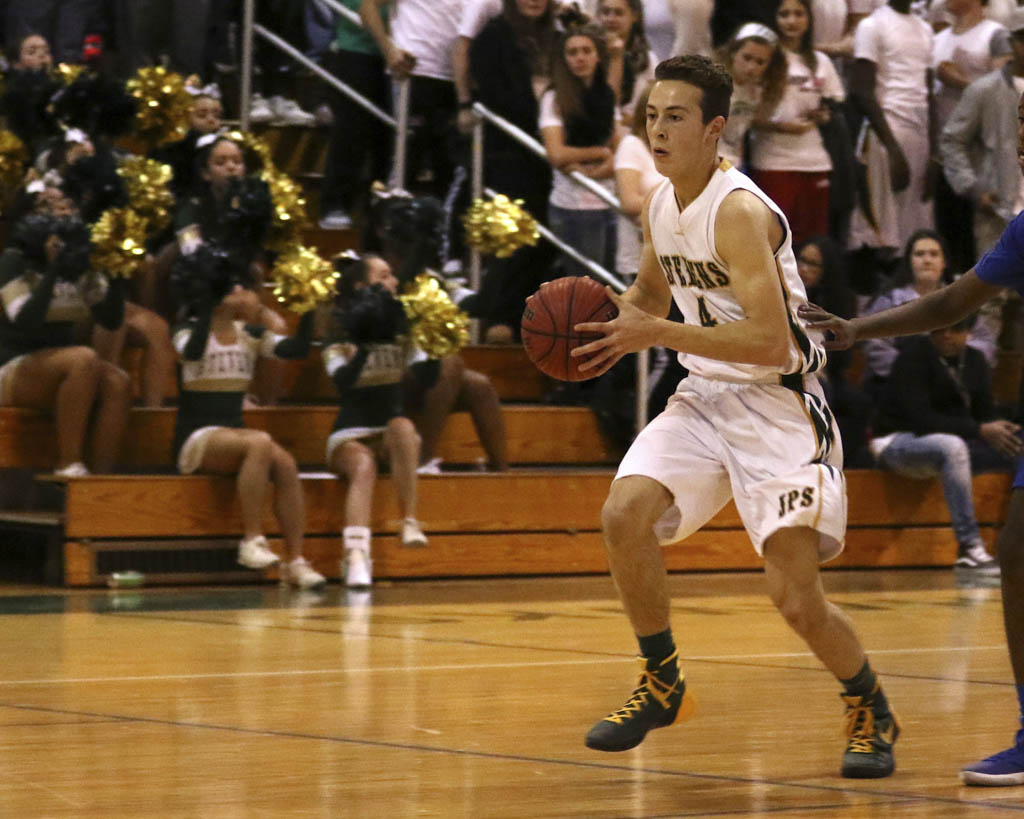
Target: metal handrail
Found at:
x=597, y=270
x=528, y=141
x=352, y=16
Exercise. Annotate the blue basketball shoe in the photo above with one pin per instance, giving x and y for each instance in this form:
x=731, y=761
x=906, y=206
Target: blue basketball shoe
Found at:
x=1004, y=768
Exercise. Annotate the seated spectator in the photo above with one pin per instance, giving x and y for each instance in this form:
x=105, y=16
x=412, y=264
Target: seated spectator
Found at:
x=509, y=68
x=758, y=69
x=232, y=209
x=937, y=418
x=366, y=355
x=219, y=344
x=820, y=265
x=923, y=271
x=407, y=233
x=65, y=23
x=46, y=285
x=577, y=123
x=28, y=90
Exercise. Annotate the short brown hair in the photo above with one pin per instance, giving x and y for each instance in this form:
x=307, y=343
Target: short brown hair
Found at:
x=710, y=77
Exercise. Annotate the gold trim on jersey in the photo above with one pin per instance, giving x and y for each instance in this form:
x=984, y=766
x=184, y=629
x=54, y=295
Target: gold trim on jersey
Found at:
x=724, y=165
x=811, y=358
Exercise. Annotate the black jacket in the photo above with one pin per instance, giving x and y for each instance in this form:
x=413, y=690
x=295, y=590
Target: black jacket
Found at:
x=922, y=395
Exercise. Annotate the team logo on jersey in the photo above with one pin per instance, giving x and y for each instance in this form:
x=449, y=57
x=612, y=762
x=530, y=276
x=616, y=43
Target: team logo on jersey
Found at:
x=705, y=275
x=795, y=499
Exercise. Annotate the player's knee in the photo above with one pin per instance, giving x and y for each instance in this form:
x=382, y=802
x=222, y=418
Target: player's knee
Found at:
x=796, y=609
x=402, y=429
x=362, y=469
x=619, y=519
x=83, y=361
x=260, y=445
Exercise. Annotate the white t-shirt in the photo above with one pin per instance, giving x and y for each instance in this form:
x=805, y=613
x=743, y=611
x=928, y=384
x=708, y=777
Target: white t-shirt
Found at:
x=972, y=50
x=693, y=26
x=633, y=155
x=427, y=30
x=564, y=192
x=744, y=104
x=476, y=14
x=900, y=46
x=774, y=151
x=829, y=20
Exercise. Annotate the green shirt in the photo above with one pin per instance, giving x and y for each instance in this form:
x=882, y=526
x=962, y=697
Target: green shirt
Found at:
x=350, y=37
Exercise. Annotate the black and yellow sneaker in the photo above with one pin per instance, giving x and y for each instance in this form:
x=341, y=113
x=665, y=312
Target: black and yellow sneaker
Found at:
x=870, y=736
x=656, y=703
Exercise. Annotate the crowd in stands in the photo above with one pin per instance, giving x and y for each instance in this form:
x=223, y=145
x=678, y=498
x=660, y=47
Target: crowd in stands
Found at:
x=884, y=130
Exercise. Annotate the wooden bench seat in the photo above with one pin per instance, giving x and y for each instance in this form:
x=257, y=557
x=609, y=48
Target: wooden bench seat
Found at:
x=535, y=435
x=536, y=521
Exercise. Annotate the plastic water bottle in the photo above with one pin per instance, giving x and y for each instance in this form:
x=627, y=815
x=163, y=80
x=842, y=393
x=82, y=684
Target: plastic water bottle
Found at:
x=126, y=580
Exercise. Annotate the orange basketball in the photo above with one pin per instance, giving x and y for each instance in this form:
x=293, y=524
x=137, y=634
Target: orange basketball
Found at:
x=549, y=318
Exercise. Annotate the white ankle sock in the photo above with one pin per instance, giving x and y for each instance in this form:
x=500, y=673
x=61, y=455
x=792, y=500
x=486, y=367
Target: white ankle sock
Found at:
x=356, y=537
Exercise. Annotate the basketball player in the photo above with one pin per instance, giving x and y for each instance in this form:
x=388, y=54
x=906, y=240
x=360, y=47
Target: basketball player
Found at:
x=749, y=422
x=1002, y=267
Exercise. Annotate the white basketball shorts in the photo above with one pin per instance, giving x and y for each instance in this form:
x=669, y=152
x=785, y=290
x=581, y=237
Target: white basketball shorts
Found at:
x=774, y=449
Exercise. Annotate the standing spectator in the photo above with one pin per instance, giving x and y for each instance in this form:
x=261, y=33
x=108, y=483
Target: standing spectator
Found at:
x=635, y=177
x=577, y=122
x=729, y=15
x=475, y=15
x=360, y=147
x=692, y=26
x=789, y=160
x=969, y=48
x=979, y=157
x=623, y=22
x=889, y=82
x=758, y=68
x=63, y=23
x=937, y=418
x=510, y=68
x=416, y=41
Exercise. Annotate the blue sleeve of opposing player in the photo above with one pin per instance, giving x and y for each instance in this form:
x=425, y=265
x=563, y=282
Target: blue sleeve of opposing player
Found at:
x=1003, y=266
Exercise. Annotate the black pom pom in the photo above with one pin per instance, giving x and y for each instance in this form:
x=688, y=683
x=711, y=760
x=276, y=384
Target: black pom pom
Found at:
x=26, y=101
x=248, y=213
x=97, y=104
x=373, y=315
x=31, y=234
x=207, y=275
x=95, y=185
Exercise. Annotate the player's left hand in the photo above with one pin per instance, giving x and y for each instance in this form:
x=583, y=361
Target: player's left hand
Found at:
x=631, y=331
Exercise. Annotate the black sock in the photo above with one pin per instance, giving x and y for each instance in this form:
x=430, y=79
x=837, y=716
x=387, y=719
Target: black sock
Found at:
x=865, y=684
x=656, y=648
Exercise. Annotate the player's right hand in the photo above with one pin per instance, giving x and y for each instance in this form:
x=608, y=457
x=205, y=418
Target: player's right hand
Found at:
x=839, y=333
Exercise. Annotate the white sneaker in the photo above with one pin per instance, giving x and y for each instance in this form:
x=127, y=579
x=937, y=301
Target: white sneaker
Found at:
x=431, y=467
x=300, y=574
x=256, y=554
x=288, y=112
x=357, y=569
x=259, y=109
x=412, y=534
x=323, y=115
x=75, y=470
x=335, y=220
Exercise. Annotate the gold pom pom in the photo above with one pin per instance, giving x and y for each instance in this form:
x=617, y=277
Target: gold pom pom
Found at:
x=164, y=106
x=13, y=157
x=303, y=279
x=289, y=217
x=256, y=152
x=149, y=195
x=68, y=73
x=499, y=226
x=436, y=325
x=118, y=242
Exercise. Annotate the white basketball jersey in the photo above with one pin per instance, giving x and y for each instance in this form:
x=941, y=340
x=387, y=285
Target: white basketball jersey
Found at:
x=700, y=280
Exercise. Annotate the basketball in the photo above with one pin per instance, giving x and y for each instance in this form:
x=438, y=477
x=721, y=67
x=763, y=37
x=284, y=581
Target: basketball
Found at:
x=549, y=318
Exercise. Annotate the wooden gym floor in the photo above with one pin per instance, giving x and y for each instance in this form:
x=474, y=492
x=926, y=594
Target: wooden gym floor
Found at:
x=470, y=698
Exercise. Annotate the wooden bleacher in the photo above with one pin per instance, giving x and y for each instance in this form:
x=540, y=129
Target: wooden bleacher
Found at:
x=542, y=517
